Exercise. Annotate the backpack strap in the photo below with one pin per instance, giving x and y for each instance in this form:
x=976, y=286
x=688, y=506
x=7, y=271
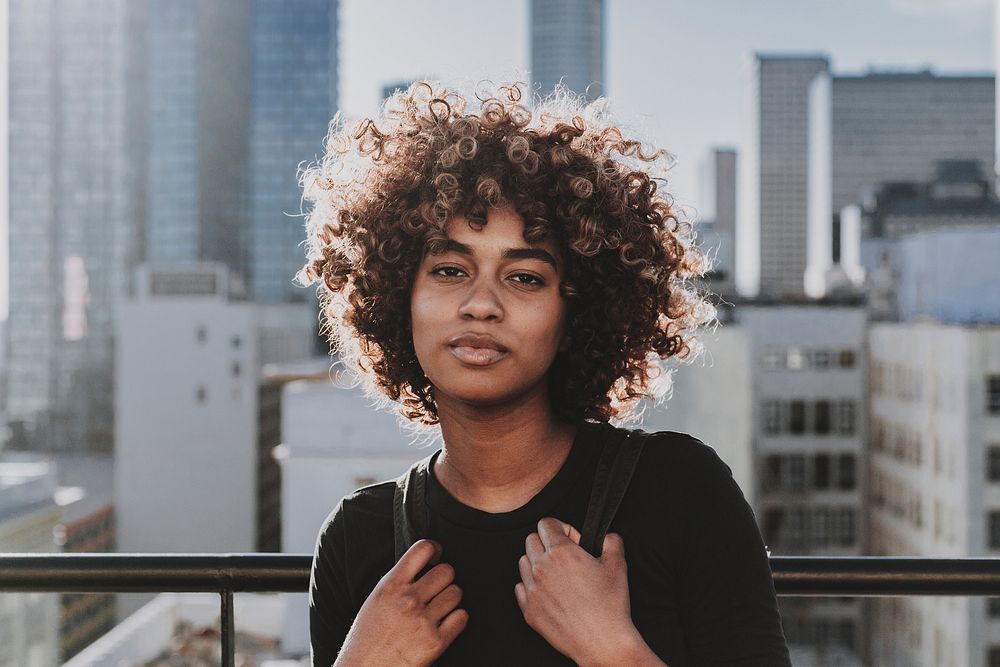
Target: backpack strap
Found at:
x=614, y=472
x=409, y=506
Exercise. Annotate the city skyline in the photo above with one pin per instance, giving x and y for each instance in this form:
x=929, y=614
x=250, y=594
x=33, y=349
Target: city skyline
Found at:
x=713, y=78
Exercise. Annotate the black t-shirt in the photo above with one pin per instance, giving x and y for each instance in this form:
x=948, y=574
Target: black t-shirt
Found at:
x=700, y=585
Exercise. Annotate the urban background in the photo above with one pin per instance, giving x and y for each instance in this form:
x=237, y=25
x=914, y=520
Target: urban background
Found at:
x=163, y=388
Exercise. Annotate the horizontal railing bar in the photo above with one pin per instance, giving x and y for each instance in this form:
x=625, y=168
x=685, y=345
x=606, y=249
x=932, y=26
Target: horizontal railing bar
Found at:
x=139, y=573
x=191, y=573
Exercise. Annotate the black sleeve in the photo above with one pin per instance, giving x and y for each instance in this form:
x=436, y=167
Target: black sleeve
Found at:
x=730, y=609
x=330, y=612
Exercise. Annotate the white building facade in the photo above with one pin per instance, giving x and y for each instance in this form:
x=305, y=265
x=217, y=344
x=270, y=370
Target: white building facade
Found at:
x=808, y=369
x=186, y=424
x=935, y=482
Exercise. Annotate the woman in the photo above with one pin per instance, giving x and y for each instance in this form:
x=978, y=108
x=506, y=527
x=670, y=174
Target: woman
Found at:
x=514, y=277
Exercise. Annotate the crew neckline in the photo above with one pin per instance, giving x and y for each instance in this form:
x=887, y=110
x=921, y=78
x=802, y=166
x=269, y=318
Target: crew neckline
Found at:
x=582, y=451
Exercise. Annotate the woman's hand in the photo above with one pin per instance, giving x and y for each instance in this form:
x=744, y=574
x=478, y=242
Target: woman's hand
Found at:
x=405, y=620
x=578, y=603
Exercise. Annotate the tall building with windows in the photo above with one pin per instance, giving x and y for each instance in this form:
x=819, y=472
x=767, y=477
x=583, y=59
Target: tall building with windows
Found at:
x=567, y=44
x=72, y=217
x=294, y=96
x=197, y=93
x=935, y=482
x=826, y=139
x=782, y=100
x=808, y=384
x=148, y=129
x=898, y=126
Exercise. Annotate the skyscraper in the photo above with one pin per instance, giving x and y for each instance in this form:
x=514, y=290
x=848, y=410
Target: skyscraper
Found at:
x=294, y=97
x=567, y=43
x=896, y=126
x=147, y=129
x=783, y=144
x=197, y=90
x=72, y=218
x=875, y=128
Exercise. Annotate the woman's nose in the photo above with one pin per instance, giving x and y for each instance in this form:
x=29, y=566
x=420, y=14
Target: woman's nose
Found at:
x=481, y=302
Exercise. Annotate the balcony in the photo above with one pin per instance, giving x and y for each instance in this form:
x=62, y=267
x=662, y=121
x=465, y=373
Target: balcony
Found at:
x=227, y=574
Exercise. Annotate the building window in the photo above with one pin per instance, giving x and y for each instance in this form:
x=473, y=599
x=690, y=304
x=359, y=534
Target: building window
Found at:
x=771, y=417
x=845, y=528
x=846, y=358
x=236, y=342
x=822, y=418
x=236, y=369
x=795, y=359
x=846, y=472
x=845, y=417
x=993, y=463
x=993, y=394
x=200, y=394
x=821, y=471
x=772, y=472
x=201, y=334
x=993, y=659
x=994, y=529
x=821, y=359
x=796, y=473
x=797, y=417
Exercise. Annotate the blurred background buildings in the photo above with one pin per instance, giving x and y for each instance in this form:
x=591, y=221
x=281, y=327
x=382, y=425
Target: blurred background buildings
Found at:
x=159, y=380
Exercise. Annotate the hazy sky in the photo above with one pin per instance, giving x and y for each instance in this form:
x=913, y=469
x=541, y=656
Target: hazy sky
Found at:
x=677, y=71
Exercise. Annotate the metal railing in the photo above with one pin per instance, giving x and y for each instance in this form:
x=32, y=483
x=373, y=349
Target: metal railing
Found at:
x=227, y=574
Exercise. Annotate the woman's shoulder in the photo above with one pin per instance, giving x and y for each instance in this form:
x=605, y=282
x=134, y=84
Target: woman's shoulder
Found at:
x=682, y=457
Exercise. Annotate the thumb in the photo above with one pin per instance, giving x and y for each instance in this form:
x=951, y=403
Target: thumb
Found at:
x=613, y=548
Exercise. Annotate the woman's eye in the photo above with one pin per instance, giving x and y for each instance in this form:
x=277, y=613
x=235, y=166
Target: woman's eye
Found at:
x=528, y=279
x=447, y=271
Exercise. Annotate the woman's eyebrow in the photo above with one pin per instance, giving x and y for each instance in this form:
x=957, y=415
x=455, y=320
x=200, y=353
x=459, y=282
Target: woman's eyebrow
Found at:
x=530, y=253
x=510, y=253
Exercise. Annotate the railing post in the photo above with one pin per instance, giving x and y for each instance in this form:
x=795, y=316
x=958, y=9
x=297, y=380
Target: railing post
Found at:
x=226, y=626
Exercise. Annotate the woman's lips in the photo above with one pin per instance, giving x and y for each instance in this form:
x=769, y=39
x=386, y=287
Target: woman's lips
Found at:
x=477, y=356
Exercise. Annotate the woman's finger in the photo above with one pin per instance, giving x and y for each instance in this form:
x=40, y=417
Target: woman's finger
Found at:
x=432, y=583
x=420, y=554
x=444, y=602
x=453, y=624
x=524, y=566
x=533, y=547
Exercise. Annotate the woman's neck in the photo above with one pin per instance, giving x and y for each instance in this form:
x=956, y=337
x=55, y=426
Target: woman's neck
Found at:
x=496, y=460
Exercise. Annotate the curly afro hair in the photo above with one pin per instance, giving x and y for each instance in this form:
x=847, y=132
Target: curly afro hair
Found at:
x=386, y=187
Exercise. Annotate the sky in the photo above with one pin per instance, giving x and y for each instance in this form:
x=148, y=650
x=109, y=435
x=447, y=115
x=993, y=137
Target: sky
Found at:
x=678, y=73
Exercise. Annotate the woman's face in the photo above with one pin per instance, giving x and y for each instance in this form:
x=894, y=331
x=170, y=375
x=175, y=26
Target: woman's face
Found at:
x=486, y=314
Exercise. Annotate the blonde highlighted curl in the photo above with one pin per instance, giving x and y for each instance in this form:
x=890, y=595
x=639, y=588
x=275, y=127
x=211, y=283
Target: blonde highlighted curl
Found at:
x=386, y=188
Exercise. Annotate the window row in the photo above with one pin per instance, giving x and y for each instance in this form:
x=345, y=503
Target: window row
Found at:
x=797, y=473
x=799, y=528
x=798, y=417
x=898, y=498
x=914, y=385
x=902, y=442
x=795, y=358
